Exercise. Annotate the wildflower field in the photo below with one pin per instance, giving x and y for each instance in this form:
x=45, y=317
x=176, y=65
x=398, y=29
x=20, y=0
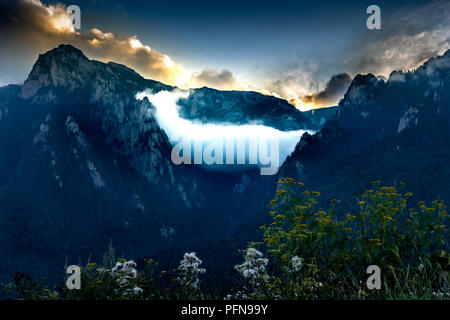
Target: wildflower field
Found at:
x=307, y=251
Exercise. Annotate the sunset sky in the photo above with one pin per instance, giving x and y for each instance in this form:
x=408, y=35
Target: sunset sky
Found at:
x=304, y=50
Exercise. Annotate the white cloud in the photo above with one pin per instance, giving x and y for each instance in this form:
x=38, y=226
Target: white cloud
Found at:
x=177, y=128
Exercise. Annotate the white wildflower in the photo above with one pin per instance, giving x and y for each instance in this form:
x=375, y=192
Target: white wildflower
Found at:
x=442, y=294
x=132, y=292
x=296, y=263
x=137, y=290
x=237, y=296
x=254, y=266
x=102, y=270
x=125, y=272
x=190, y=270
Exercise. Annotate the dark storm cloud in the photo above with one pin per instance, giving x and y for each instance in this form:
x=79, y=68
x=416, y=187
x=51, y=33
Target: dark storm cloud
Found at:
x=409, y=35
x=334, y=90
x=406, y=40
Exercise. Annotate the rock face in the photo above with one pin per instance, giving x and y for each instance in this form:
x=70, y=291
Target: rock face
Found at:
x=319, y=117
x=85, y=162
x=396, y=130
x=99, y=99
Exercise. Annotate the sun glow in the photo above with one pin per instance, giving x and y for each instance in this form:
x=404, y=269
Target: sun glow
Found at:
x=300, y=105
x=135, y=43
x=59, y=19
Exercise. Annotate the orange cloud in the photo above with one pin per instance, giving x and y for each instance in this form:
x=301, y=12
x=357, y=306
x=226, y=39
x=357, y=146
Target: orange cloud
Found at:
x=131, y=52
x=224, y=79
x=29, y=27
x=37, y=27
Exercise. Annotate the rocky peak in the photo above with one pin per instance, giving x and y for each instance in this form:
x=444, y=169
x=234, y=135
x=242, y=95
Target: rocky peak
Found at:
x=360, y=90
x=64, y=66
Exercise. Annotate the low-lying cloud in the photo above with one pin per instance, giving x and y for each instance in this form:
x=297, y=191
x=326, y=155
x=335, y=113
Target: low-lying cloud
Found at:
x=195, y=133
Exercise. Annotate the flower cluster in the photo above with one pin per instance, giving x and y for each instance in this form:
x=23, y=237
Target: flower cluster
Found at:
x=254, y=266
x=296, y=263
x=125, y=272
x=190, y=270
x=383, y=228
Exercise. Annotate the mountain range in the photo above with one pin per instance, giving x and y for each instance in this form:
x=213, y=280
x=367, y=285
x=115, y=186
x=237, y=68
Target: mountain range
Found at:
x=84, y=162
x=394, y=130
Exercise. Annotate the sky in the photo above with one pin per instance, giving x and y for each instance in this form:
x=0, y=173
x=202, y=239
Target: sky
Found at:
x=306, y=52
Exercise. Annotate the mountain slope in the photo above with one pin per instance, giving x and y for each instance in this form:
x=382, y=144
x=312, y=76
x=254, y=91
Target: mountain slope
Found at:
x=242, y=107
x=87, y=162
x=397, y=130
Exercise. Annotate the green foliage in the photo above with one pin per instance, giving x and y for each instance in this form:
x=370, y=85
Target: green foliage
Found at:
x=409, y=244
x=115, y=279
x=312, y=253
x=24, y=287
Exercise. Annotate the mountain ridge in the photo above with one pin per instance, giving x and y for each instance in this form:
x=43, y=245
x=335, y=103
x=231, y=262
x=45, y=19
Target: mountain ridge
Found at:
x=88, y=163
x=409, y=105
